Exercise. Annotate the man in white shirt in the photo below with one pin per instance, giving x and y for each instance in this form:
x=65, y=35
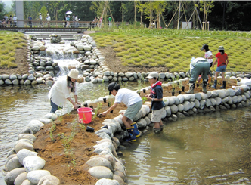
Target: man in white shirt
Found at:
x=133, y=102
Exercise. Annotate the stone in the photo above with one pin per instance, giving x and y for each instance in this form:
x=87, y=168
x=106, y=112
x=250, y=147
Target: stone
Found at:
x=105, y=181
x=51, y=116
x=12, y=175
x=13, y=77
x=49, y=180
x=8, y=82
x=20, y=178
x=30, y=137
x=15, y=82
x=100, y=172
x=99, y=161
x=32, y=163
x=23, y=145
x=24, y=153
x=35, y=176
x=12, y=163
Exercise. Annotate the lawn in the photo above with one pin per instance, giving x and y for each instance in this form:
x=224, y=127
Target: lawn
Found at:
x=174, y=48
x=9, y=42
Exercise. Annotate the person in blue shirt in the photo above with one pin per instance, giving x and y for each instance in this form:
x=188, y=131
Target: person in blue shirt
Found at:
x=157, y=104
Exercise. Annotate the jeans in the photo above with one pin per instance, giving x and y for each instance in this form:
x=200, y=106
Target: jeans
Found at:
x=54, y=107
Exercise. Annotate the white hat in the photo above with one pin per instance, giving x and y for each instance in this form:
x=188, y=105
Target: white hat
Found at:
x=153, y=75
x=221, y=48
x=73, y=74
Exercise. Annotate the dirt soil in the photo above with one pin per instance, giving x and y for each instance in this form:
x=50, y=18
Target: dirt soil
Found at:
x=21, y=61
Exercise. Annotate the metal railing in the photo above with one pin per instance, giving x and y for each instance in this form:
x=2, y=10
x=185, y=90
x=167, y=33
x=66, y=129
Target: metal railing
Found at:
x=46, y=24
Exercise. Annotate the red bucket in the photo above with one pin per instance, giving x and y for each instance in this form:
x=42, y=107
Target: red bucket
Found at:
x=85, y=115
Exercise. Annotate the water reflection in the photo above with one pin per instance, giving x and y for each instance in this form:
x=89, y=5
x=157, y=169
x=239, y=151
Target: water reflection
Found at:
x=202, y=149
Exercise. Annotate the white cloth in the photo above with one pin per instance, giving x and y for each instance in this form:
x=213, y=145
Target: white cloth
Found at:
x=207, y=55
x=40, y=17
x=60, y=91
x=15, y=19
x=48, y=18
x=127, y=97
x=196, y=60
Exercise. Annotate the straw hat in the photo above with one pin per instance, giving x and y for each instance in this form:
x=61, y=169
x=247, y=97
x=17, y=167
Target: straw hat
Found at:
x=73, y=74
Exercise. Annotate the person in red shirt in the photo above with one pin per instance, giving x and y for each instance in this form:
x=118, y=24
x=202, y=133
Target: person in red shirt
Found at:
x=222, y=62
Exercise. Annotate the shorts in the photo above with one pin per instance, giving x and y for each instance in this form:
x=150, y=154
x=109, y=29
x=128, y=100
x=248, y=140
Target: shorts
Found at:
x=132, y=110
x=157, y=115
x=221, y=69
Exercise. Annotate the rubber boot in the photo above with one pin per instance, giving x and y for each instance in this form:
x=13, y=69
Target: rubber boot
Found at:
x=191, y=88
x=135, y=129
x=215, y=83
x=156, y=130
x=204, y=87
x=161, y=127
x=132, y=136
x=224, y=84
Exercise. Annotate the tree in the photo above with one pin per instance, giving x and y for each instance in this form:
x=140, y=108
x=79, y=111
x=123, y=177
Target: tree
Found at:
x=43, y=12
x=206, y=7
x=2, y=11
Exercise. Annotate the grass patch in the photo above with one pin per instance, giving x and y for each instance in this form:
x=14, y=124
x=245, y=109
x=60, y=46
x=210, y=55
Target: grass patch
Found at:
x=174, y=48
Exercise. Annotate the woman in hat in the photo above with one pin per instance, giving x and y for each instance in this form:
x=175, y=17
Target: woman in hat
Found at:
x=133, y=102
x=222, y=62
x=60, y=91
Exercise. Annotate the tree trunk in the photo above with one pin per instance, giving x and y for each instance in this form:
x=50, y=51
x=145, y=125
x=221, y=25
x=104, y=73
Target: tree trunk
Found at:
x=135, y=11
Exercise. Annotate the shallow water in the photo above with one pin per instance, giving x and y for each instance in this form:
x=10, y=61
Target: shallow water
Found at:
x=203, y=149
x=19, y=105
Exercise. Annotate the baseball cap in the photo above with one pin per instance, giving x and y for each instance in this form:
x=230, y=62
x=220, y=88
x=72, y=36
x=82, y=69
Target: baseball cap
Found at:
x=111, y=86
x=153, y=75
x=205, y=46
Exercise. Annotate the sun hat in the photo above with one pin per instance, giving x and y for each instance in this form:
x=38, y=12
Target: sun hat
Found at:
x=221, y=48
x=205, y=46
x=153, y=75
x=73, y=74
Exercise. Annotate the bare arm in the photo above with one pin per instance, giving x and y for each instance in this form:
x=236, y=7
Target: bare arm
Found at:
x=110, y=109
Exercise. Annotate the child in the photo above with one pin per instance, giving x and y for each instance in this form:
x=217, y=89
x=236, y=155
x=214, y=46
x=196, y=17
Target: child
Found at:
x=157, y=104
x=133, y=102
x=222, y=62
